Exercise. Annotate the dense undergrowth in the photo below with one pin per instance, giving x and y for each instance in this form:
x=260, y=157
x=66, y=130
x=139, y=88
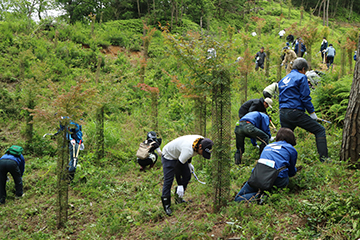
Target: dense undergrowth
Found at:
x=110, y=198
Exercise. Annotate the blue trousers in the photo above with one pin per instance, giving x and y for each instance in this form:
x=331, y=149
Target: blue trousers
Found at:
x=292, y=118
x=8, y=165
x=175, y=168
x=248, y=193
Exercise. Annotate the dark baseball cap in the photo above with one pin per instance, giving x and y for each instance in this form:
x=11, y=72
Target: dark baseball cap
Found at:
x=206, y=146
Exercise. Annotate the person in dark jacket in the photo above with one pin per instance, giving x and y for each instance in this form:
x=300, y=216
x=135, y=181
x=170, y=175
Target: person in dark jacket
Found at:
x=260, y=59
x=155, y=142
x=15, y=165
x=323, y=47
x=254, y=125
x=276, y=155
x=294, y=99
x=300, y=48
x=251, y=105
x=176, y=160
x=74, y=136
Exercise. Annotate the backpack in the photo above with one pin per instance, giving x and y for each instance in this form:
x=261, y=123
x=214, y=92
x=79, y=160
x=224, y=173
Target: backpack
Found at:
x=144, y=149
x=15, y=150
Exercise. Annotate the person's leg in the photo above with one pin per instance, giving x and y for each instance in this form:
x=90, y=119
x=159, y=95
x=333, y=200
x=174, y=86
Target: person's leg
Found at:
x=301, y=119
x=16, y=174
x=286, y=118
x=240, y=145
x=153, y=162
x=3, y=177
x=257, y=66
x=253, y=132
x=246, y=193
x=169, y=173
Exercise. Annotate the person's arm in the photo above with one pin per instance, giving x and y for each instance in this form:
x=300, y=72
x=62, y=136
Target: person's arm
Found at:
x=253, y=141
x=22, y=165
x=305, y=94
x=292, y=163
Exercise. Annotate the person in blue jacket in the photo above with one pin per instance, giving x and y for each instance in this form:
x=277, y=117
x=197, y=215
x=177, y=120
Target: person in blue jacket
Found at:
x=15, y=165
x=355, y=55
x=74, y=136
x=279, y=154
x=300, y=50
x=330, y=55
x=294, y=99
x=254, y=125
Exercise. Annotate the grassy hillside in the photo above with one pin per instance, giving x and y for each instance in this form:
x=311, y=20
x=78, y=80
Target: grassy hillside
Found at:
x=110, y=198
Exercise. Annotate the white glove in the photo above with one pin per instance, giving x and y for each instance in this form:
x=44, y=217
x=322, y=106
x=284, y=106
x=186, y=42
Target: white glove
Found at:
x=313, y=116
x=257, y=146
x=258, y=58
x=82, y=147
x=191, y=167
x=72, y=142
x=272, y=139
x=180, y=191
x=305, y=53
x=281, y=65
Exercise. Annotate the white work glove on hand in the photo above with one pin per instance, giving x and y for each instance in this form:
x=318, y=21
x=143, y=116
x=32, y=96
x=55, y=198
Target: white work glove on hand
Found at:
x=180, y=191
x=72, y=142
x=257, y=146
x=82, y=147
x=313, y=116
x=281, y=65
x=191, y=167
x=305, y=53
x=272, y=139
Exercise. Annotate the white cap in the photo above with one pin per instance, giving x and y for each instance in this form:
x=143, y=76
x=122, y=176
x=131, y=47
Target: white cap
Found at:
x=268, y=101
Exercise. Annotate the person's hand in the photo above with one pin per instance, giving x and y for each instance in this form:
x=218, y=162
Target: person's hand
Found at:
x=180, y=191
x=257, y=146
x=313, y=116
x=281, y=64
x=305, y=53
x=82, y=147
x=272, y=139
x=191, y=168
x=72, y=142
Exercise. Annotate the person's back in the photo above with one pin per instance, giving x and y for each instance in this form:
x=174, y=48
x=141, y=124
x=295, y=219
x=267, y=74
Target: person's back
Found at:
x=252, y=105
x=331, y=51
x=294, y=92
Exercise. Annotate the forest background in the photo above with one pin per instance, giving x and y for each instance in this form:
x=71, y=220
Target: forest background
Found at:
x=123, y=68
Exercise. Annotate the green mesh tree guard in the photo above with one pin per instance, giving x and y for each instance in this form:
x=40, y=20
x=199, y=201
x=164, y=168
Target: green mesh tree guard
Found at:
x=221, y=135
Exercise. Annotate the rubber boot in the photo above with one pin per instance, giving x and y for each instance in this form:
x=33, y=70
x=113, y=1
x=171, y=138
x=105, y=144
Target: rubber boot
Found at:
x=322, y=148
x=178, y=199
x=166, y=202
x=262, y=146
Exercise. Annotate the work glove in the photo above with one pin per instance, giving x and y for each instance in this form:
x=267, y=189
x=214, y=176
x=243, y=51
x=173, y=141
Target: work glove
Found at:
x=258, y=58
x=305, y=53
x=72, y=142
x=191, y=168
x=272, y=139
x=313, y=116
x=82, y=147
x=180, y=191
x=258, y=146
x=281, y=64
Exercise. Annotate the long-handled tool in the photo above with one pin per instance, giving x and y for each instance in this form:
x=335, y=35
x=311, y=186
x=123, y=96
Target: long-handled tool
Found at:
x=46, y=134
x=75, y=158
x=272, y=124
x=197, y=178
x=323, y=120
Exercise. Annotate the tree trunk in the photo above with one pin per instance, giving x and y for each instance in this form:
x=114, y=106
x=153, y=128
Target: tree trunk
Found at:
x=336, y=6
x=343, y=62
x=290, y=5
x=350, y=147
x=324, y=12
x=154, y=11
x=100, y=141
x=98, y=68
x=350, y=9
x=172, y=14
x=138, y=8
x=267, y=64
x=327, y=13
x=62, y=179
x=308, y=50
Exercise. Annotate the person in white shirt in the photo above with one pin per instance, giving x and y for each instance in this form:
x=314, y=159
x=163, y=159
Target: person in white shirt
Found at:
x=282, y=33
x=176, y=159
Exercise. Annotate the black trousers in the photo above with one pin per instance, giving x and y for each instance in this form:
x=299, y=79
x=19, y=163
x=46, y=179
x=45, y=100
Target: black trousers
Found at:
x=8, y=165
x=171, y=169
